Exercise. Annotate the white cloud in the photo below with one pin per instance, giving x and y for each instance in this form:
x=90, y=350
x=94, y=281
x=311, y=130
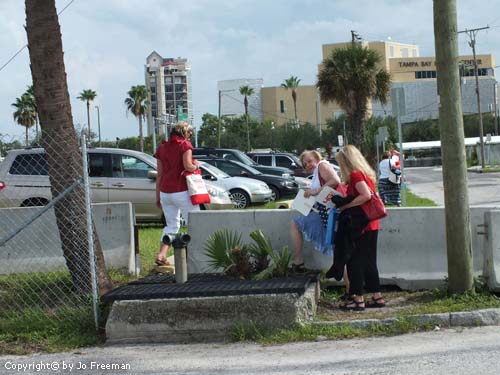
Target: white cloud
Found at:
x=106, y=44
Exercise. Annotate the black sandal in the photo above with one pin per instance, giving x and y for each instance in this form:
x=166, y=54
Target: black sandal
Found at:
x=353, y=306
x=298, y=268
x=375, y=303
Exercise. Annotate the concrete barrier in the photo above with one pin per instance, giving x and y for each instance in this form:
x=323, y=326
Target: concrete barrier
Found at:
x=38, y=247
x=412, y=242
x=492, y=253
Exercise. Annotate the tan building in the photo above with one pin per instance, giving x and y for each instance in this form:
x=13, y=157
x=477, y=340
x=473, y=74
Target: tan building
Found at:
x=417, y=75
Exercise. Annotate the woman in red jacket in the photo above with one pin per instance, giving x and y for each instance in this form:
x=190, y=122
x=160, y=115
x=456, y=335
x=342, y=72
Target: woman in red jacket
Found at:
x=362, y=267
x=173, y=157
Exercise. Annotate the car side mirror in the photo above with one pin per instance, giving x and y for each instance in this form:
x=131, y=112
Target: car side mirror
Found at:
x=209, y=177
x=293, y=164
x=244, y=173
x=152, y=175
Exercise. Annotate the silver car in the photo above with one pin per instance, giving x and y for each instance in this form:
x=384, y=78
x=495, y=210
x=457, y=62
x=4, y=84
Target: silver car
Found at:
x=116, y=175
x=243, y=191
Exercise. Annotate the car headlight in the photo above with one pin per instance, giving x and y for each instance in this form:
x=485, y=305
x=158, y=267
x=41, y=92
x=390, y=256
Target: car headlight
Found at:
x=287, y=183
x=215, y=192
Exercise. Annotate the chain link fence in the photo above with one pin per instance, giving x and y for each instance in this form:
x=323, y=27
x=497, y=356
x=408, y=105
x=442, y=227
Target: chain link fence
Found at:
x=46, y=275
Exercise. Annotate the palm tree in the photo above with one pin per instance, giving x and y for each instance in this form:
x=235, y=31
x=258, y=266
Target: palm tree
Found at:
x=137, y=104
x=30, y=91
x=24, y=114
x=88, y=96
x=247, y=91
x=292, y=83
x=58, y=138
x=351, y=76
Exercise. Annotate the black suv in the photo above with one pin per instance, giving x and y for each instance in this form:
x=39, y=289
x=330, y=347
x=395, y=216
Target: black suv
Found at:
x=280, y=159
x=237, y=155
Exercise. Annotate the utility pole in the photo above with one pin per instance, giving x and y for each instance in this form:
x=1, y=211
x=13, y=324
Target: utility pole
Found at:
x=99, y=125
x=456, y=194
x=495, y=114
x=472, y=43
x=218, y=123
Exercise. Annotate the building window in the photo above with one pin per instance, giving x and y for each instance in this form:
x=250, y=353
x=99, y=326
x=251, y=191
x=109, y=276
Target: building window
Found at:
x=415, y=52
x=391, y=51
x=404, y=52
x=425, y=74
x=282, y=106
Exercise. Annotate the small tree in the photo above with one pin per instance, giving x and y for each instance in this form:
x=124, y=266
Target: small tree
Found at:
x=351, y=76
x=88, y=96
x=136, y=103
x=25, y=113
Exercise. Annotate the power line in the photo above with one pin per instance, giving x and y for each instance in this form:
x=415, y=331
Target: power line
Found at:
x=26, y=45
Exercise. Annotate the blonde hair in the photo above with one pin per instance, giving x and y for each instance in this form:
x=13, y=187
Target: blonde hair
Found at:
x=314, y=153
x=351, y=159
x=181, y=129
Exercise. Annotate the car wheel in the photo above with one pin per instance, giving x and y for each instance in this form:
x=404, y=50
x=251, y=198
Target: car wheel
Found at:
x=275, y=193
x=240, y=198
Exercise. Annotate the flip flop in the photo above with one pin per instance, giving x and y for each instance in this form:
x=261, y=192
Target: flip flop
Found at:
x=162, y=262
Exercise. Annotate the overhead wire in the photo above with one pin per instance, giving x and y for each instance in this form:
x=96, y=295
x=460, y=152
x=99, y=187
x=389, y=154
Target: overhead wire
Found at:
x=26, y=45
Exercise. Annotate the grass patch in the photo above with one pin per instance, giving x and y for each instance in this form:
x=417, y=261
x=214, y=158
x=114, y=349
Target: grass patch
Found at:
x=413, y=200
x=313, y=332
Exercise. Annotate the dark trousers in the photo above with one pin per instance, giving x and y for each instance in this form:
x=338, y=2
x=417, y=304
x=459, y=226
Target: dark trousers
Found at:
x=362, y=267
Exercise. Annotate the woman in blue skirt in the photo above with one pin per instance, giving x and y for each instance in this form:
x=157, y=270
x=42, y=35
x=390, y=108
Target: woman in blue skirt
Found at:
x=310, y=227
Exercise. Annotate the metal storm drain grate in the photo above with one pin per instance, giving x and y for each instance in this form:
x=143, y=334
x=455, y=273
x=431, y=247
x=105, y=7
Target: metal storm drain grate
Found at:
x=206, y=285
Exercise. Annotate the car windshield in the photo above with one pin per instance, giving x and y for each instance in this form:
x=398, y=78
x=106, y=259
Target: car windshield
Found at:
x=244, y=158
x=296, y=160
x=214, y=170
x=248, y=168
x=150, y=159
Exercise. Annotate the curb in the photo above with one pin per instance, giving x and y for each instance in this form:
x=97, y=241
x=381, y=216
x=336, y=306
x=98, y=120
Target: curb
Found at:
x=485, y=317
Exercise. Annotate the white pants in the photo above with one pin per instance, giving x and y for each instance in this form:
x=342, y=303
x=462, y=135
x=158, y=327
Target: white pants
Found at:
x=173, y=204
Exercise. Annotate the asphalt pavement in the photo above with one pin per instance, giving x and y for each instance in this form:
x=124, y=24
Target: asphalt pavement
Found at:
x=450, y=351
x=427, y=182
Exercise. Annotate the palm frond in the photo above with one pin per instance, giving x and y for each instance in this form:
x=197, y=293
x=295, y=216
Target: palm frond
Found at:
x=218, y=247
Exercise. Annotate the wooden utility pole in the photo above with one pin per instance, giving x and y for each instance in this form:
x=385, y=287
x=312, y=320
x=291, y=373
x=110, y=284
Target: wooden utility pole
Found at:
x=456, y=195
x=472, y=35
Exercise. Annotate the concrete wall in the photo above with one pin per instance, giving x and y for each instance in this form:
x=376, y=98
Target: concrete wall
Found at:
x=38, y=247
x=412, y=244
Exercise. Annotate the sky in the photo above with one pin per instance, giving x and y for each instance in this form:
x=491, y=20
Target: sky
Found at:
x=106, y=43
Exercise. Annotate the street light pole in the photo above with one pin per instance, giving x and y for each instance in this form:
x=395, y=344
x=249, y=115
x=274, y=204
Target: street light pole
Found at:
x=218, y=123
x=99, y=125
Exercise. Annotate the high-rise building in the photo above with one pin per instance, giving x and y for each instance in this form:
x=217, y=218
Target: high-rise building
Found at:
x=231, y=101
x=168, y=81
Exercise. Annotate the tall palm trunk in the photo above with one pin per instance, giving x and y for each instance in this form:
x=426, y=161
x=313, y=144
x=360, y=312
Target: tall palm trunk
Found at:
x=294, y=97
x=27, y=137
x=141, y=136
x=59, y=140
x=88, y=120
x=246, y=120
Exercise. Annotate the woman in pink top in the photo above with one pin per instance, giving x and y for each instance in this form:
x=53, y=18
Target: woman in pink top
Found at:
x=362, y=267
x=173, y=157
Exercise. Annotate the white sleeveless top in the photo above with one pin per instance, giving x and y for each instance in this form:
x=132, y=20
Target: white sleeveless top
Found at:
x=315, y=183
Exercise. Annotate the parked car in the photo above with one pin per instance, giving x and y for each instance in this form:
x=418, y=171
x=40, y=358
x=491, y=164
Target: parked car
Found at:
x=237, y=155
x=243, y=191
x=116, y=175
x=282, y=187
x=280, y=159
